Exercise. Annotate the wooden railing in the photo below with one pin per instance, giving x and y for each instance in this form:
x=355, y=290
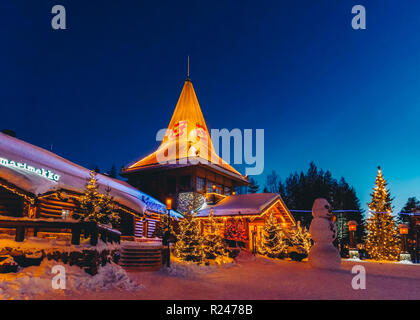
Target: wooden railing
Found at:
x=91, y=229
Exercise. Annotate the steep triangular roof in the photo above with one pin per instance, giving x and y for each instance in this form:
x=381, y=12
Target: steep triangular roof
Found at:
x=187, y=140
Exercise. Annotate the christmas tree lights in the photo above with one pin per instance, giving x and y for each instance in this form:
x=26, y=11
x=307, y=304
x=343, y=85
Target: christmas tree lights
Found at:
x=189, y=246
x=213, y=244
x=273, y=243
x=382, y=242
x=96, y=207
x=301, y=238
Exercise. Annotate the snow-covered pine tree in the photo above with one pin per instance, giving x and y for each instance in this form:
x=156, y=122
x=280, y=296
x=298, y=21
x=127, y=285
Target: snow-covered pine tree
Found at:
x=213, y=244
x=382, y=241
x=93, y=206
x=301, y=238
x=273, y=243
x=189, y=246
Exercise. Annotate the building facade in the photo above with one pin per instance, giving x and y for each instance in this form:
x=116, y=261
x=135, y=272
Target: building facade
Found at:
x=39, y=185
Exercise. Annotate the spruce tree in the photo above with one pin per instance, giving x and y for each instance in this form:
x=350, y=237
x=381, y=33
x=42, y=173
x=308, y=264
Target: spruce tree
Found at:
x=412, y=206
x=112, y=172
x=189, y=246
x=213, y=244
x=382, y=242
x=93, y=206
x=254, y=187
x=301, y=238
x=273, y=244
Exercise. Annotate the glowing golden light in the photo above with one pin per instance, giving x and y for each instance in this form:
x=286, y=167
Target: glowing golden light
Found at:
x=168, y=203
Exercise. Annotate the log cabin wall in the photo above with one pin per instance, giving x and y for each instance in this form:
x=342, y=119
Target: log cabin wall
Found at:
x=11, y=205
x=56, y=206
x=63, y=205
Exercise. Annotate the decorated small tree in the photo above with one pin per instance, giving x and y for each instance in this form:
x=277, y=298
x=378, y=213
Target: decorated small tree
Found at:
x=162, y=226
x=189, y=245
x=213, y=244
x=273, y=242
x=235, y=230
x=301, y=238
x=382, y=242
x=93, y=206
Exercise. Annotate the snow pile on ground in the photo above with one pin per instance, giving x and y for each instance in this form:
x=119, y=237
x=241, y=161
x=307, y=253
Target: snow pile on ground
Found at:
x=191, y=270
x=51, y=245
x=34, y=281
x=245, y=256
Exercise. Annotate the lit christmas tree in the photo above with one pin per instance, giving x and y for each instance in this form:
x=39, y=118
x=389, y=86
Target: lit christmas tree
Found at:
x=162, y=226
x=189, y=246
x=213, y=244
x=382, y=242
x=301, y=238
x=93, y=206
x=272, y=238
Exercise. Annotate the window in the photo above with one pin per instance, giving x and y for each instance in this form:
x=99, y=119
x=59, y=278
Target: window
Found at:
x=201, y=184
x=227, y=191
x=209, y=186
x=65, y=214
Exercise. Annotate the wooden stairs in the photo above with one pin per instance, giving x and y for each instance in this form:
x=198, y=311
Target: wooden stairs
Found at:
x=140, y=256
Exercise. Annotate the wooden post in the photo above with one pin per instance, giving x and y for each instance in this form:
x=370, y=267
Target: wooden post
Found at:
x=75, y=235
x=94, y=236
x=103, y=235
x=20, y=234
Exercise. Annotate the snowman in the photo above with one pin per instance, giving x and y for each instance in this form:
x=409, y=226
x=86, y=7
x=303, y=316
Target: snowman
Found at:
x=323, y=231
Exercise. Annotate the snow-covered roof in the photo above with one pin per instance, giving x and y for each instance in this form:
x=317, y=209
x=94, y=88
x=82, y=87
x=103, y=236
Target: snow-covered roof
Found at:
x=242, y=204
x=68, y=175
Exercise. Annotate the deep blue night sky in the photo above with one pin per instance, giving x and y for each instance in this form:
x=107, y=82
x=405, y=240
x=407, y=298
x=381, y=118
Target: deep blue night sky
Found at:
x=99, y=91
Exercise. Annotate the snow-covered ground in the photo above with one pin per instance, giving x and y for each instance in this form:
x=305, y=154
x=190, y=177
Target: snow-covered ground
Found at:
x=247, y=278
x=36, y=281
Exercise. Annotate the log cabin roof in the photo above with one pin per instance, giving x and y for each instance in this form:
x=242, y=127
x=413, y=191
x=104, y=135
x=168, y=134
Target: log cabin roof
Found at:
x=247, y=204
x=72, y=177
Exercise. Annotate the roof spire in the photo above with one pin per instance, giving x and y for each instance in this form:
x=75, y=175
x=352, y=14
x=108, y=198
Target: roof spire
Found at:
x=188, y=67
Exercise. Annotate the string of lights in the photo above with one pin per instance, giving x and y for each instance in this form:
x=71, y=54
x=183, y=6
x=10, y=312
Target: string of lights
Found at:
x=357, y=211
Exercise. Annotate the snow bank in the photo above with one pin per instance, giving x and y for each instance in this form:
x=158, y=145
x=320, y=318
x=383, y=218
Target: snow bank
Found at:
x=191, y=270
x=35, y=281
x=51, y=245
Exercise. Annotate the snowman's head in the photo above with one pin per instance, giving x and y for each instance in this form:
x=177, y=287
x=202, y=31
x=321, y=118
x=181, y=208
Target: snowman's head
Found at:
x=322, y=209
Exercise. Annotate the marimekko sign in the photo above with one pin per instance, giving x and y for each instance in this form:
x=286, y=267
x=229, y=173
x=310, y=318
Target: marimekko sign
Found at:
x=47, y=174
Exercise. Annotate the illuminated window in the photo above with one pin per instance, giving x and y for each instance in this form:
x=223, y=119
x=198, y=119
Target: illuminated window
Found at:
x=209, y=186
x=65, y=214
x=227, y=191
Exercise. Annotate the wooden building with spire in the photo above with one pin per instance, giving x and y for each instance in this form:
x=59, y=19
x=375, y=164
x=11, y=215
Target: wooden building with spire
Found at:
x=185, y=167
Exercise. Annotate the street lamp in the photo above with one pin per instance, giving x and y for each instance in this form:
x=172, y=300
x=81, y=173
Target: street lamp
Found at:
x=404, y=255
x=353, y=252
x=168, y=233
x=214, y=193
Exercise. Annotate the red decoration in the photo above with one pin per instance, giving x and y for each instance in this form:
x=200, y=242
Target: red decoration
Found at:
x=235, y=230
